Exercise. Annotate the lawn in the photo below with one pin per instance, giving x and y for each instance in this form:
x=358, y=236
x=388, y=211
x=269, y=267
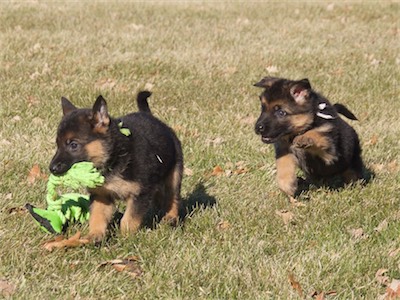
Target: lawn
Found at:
x=241, y=238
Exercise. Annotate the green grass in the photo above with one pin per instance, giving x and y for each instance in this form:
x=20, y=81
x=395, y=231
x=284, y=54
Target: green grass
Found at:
x=201, y=59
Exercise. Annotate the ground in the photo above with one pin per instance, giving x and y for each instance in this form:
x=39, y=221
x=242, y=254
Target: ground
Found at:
x=241, y=239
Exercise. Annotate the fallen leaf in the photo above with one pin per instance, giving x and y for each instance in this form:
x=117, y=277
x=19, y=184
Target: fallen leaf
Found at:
x=358, y=234
x=240, y=171
x=34, y=174
x=60, y=242
x=393, y=290
x=378, y=168
x=223, y=225
x=286, y=216
x=248, y=120
x=7, y=289
x=321, y=295
x=272, y=69
x=217, y=171
x=17, y=210
x=32, y=101
x=330, y=6
x=394, y=252
x=187, y=171
x=380, y=276
x=296, y=285
x=148, y=86
x=16, y=118
x=129, y=265
x=372, y=141
x=295, y=202
x=382, y=226
x=105, y=83
x=393, y=167
x=215, y=142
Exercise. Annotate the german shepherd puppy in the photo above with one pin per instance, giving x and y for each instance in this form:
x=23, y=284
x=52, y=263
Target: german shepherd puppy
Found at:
x=140, y=157
x=307, y=132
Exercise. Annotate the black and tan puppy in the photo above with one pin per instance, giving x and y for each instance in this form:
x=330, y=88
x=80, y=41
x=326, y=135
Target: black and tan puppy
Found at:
x=307, y=132
x=140, y=157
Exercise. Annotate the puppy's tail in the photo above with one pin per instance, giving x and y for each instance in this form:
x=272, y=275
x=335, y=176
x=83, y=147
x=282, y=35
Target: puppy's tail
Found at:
x=142, y=103
x=341, y=109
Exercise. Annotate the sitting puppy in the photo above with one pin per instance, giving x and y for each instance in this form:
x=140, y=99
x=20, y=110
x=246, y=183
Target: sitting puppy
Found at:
x=139, y=156
x=307, y=132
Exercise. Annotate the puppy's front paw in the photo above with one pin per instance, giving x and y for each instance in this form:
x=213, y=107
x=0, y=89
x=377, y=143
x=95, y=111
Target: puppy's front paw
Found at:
x=303, y=141
x=95, y=237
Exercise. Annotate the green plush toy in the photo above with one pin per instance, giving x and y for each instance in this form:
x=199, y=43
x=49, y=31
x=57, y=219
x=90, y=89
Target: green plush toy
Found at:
x=71, y=207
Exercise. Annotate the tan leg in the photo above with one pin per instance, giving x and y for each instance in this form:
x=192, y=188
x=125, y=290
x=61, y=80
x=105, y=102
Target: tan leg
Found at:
x=101, y=212
x=286, y=174
x=173, y=187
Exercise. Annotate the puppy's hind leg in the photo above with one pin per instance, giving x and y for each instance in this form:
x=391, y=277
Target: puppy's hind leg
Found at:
x=173, y=198
x=136, y=209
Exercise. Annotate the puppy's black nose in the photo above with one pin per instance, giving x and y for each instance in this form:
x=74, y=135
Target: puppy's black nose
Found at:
x=56, y=169
x=260, y=128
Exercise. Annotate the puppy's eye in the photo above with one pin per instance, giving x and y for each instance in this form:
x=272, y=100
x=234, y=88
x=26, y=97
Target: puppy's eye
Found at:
x=72, y=145
x=279, y=112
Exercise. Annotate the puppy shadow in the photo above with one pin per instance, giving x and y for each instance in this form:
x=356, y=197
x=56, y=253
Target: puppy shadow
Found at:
x=197, y=199
x=335, y=183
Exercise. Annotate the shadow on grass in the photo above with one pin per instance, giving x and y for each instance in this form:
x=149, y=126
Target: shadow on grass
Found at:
x=334, y=183
x=198, y=199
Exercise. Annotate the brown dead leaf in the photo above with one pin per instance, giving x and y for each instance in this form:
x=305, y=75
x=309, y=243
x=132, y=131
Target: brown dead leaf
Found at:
x=32, y=101
x=378, y=168
x=382, y=226
x=217, y=171
x=7, y=289
x=223, y=225
x=393, y=167
x=372, y=141
x=241, y=171
x=358, y=234
x=17, y=210
x=321, y=295
x=187, y=171
x=34, y=174
x=295, y=202
x=105, y=84
x=60, y=242
x=129, y=265
x=286, y=216
x=394, y=252
x=214, y=142
x=380, y=276
x=248, y=120
x=271, y=69
x=393, y=290
x=295, y=284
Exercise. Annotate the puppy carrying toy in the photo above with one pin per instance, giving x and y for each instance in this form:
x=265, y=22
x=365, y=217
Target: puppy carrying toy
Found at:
x=67, y=208
x=139, y=156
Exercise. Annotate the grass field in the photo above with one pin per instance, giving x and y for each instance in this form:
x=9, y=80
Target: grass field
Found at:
x=241, y=238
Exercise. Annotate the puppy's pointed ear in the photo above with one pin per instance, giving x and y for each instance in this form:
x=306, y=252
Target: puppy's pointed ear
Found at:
x=100, y=117
x=67, y=106
x=300, y=90
x=267, y=82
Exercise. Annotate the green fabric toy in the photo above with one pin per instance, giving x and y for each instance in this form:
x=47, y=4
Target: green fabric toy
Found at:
x=71, y=207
